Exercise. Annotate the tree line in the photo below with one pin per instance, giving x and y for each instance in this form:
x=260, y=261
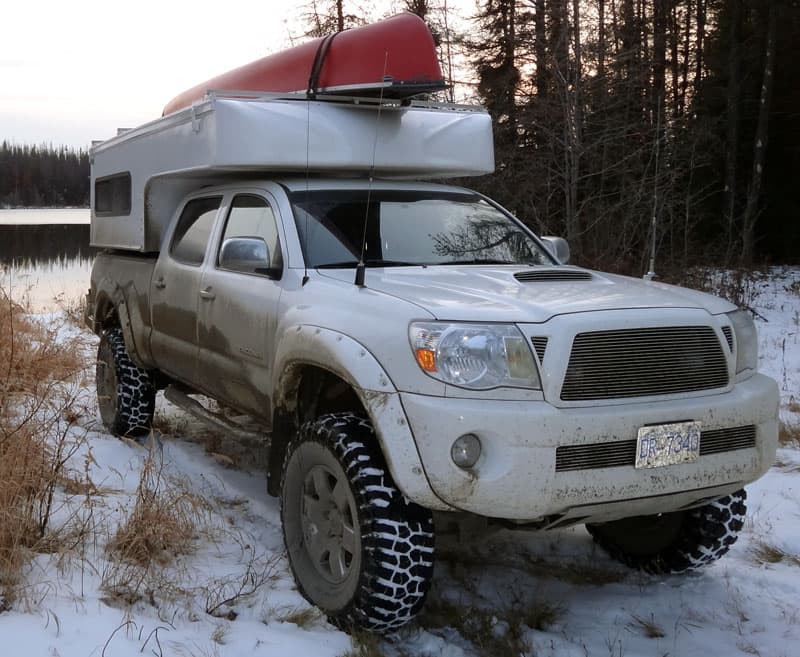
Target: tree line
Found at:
x=618, y=120
x=43, y=176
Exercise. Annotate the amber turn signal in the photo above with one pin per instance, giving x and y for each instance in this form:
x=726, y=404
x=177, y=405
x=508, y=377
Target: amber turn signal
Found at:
x=426, y=359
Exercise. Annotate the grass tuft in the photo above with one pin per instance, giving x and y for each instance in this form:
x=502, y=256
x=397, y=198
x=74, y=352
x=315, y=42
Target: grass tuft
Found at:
x=493, y=631
x=647, y=626
x=164, y=522
x=365, y=644
x=789, y=435
x=38, y=411
x=305, y=618
x=164, y=519
x=764, y=553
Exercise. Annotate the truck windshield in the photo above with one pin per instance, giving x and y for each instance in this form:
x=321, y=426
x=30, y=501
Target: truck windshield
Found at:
x=409, y=228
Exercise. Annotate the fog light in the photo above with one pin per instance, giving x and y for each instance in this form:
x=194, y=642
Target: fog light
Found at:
x=466, y=450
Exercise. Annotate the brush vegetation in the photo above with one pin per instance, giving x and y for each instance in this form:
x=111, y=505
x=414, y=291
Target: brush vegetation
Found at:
x=40, y=375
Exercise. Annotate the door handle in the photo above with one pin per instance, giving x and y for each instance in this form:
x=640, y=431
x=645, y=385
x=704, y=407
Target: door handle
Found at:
x=160, y=283
x=207, y=294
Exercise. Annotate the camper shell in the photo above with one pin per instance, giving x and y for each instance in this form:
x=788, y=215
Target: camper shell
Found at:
x=138, y=177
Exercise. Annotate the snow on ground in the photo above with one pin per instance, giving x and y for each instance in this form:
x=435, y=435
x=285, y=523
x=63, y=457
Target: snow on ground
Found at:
x=510, y=593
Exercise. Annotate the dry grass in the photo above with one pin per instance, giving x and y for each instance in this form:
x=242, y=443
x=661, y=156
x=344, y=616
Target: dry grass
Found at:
x=764, y=553
x=789, y=435
x=647, y=626
x=163, y=524
x=365, y=644
x=306, y=618
x=38, y=405
x=493, y=631
x=164, y=520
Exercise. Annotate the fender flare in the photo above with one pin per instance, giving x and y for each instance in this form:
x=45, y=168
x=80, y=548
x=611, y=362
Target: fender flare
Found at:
x=117, y=299
x=303, y=345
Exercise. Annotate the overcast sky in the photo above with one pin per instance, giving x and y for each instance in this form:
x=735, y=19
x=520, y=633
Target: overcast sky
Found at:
x=75, y=71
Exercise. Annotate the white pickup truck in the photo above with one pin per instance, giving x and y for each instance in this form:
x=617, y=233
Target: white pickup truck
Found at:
x=412, y=347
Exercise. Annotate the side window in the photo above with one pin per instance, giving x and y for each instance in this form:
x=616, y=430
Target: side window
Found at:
x=193, y=230
x=251, y=216
x=112, y=195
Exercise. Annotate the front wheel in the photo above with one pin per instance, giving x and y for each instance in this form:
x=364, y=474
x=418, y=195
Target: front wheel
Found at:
x=125, y=393
x=677, y=542
x=359, y=550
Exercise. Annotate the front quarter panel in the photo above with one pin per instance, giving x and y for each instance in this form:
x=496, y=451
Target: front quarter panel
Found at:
x=306, y=344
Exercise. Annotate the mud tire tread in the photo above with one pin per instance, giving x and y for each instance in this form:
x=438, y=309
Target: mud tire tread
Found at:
x=707, y=533
x=135, y=392
x=397, y=535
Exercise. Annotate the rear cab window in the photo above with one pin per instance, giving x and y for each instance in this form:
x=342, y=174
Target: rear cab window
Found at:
x=190, y=240
x=252, y=216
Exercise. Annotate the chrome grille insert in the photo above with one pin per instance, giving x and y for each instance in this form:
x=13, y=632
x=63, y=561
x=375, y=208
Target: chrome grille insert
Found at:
x=552, y=275
x=727, y=440
x=645, y=361
x=623, y=452
x=540, y=346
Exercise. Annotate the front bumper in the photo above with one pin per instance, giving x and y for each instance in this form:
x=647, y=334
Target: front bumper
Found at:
x=516, y=478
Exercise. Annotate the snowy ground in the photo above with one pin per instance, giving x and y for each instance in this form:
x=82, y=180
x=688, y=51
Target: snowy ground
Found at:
x=489, y=596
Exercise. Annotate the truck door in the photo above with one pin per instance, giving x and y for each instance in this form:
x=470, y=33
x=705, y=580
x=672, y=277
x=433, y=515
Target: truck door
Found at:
x=238, y=310
x=175, y=290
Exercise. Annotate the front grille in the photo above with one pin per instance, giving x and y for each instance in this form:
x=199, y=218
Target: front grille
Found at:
x=540, y=345
x=551, y=275
x=623, y=452
x=728, y=332
x=727, y=440
x=642, y=362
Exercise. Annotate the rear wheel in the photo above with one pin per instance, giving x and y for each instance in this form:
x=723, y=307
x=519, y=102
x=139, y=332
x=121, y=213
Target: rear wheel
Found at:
x=676, y=542
x=125, y=393
x=359, y=550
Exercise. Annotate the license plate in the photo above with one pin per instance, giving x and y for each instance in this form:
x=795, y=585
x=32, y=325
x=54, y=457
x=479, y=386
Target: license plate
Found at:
x=668, y=444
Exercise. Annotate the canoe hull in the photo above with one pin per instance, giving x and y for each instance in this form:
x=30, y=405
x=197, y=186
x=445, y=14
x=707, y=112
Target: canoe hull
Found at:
x=395, y=57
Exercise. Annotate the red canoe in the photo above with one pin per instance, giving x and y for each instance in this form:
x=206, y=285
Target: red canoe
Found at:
x=396, y=55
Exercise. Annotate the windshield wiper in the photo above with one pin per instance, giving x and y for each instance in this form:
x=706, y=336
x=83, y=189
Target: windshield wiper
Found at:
x=482, y=261
x=370, y=262
x=378, y=262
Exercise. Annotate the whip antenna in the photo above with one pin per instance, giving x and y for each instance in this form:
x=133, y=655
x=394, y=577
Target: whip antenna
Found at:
x=360, y=268
x=651, y=273
x=306, y=240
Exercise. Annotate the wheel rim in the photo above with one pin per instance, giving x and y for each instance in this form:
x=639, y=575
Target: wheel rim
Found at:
x=328, y=521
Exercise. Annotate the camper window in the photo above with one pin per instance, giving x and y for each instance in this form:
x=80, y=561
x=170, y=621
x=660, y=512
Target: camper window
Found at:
x=112, y=195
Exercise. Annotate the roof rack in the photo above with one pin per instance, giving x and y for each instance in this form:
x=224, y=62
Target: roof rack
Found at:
x=343, y=99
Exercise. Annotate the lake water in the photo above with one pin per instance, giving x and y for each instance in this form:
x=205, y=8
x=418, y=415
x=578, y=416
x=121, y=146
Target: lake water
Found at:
x=45, y=256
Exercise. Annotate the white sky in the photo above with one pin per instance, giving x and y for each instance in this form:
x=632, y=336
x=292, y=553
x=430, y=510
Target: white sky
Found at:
x=75, y=71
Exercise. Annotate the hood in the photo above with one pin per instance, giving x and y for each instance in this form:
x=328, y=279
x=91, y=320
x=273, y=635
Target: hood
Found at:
x=494, y=294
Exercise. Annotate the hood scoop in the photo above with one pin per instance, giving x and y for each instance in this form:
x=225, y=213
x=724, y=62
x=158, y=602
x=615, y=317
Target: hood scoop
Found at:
x=550, y=275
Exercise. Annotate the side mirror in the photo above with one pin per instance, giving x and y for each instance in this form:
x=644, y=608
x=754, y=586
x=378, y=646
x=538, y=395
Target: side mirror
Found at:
x=246, y=254
x=559, y=247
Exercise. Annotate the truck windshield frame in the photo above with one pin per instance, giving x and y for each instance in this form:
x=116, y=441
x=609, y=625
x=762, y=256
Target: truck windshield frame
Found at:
x=410, y=228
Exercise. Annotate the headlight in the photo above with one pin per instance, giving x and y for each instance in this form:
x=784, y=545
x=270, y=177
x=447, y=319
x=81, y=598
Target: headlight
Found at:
x=746, y=340
x=476, y=356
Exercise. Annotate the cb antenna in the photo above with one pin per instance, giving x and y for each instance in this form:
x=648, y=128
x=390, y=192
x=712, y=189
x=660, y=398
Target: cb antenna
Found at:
x=361, y=267
x=651, y=273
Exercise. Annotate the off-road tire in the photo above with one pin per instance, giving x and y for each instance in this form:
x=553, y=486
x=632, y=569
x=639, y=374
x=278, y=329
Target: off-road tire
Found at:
x=672, y=543
x=125, y=393
x=390, y=570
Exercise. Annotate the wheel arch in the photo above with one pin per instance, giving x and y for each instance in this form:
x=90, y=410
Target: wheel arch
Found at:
x=111, y=309
x=322, y=371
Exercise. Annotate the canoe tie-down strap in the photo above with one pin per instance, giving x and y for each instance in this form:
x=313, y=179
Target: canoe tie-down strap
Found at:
x=316, y=67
